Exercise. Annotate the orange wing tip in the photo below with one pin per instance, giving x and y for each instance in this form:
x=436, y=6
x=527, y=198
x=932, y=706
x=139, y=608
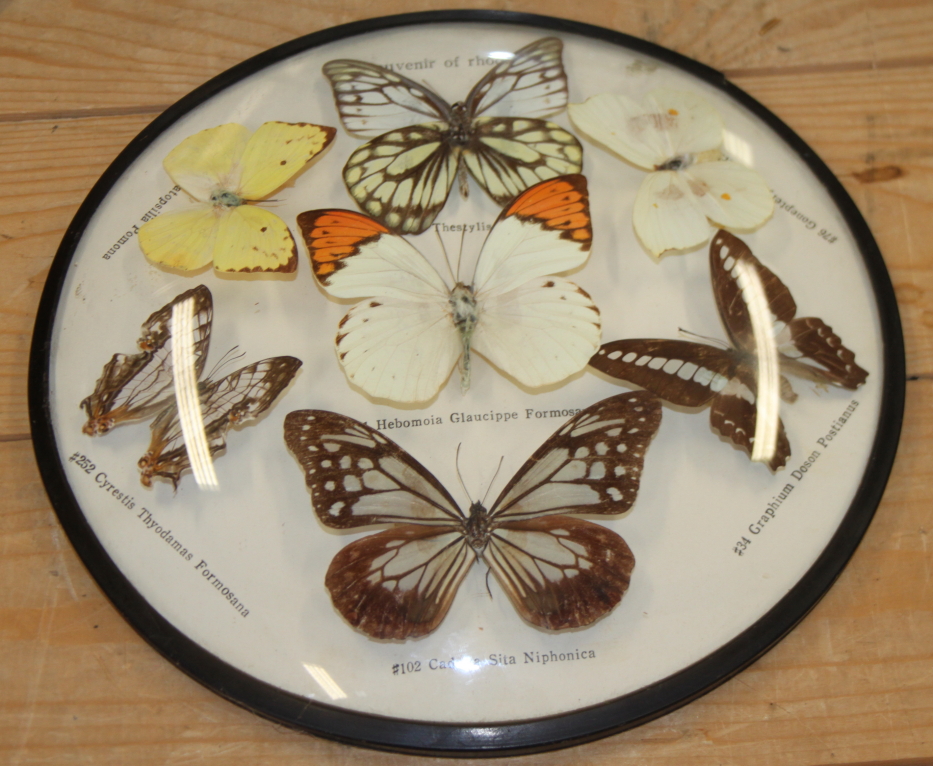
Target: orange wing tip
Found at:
x=548, y=194
x=340, y=222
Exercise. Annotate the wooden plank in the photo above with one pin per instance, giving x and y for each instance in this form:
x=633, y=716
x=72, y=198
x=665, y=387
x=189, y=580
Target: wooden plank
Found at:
x=60, y=59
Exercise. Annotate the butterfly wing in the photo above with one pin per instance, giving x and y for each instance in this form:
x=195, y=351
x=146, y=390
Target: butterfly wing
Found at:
x=532, y=83
x=508, y=155
x=372, y=100
x=208, y=160
x=731, y=194
x=276, y=152
x=807, y=345
x=134, y=386
x=250, y=239
x=560, y=572
x=692, y=375
x=183, y=239
x=359, y=477
x=403, y=177
x=236, y=399
x=400, y=583
x=667, y=124
x=536, y=328
x=402, y=344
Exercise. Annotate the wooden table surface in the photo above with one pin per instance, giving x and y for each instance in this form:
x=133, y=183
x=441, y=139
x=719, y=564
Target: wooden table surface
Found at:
x=853, y=683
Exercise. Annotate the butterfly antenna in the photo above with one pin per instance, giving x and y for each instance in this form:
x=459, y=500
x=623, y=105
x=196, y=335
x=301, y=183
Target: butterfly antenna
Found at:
x=460, y=254
x=488, y=570
x=444, y=251
x=493, y=480
x=457, y=464
x=712, y=341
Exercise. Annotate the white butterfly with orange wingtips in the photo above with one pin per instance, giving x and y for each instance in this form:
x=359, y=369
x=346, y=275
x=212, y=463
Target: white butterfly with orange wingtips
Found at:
x=403, y=342
x=226, y=170
x=676, y=136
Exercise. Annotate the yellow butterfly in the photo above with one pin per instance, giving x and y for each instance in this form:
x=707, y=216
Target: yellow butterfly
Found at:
x=225, y=170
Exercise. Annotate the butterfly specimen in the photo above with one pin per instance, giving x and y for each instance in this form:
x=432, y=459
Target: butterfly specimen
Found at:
x=676, y=137
x=558, y=571
x=419, y=143
x=403, y=342
x=226, y=170
x=695, y=374
x=144, y=384
x=136, y=386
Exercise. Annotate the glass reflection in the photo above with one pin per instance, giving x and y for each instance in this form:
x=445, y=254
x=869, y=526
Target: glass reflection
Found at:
x=187, y=396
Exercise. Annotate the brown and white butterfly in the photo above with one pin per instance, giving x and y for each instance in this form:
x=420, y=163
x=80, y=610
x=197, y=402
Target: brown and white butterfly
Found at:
x=132, y=387
x=419, y=144
x=558, y=571
x=695, y=374
x=231, y=401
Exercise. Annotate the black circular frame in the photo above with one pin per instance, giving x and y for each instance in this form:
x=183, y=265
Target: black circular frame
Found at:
x=506, y=737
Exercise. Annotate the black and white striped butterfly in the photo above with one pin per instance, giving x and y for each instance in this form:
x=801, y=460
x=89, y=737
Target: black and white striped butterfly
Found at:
x=558, y=571
x=695, y=374
x=403, y=175
x=138, y=386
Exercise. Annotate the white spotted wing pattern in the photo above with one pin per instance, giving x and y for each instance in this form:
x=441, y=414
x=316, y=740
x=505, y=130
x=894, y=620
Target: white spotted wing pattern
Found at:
x=419, y=143
x=695, y=374
x=558, y=571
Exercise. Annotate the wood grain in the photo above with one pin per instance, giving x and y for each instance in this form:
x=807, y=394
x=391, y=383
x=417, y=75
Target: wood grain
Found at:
x=852, y=684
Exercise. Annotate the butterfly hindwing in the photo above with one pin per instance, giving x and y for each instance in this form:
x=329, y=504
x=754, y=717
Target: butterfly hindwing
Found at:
x=134, y=386
x=560, y=572
x=403, y=177
x=400, y=583
x=591, y=464
x=358, y=476
x=231, y=401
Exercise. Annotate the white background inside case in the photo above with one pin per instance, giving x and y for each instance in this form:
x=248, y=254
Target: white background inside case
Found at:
x=690, y=591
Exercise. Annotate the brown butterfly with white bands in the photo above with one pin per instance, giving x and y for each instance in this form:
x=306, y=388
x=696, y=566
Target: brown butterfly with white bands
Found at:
x=695, y=374
x=558, y=571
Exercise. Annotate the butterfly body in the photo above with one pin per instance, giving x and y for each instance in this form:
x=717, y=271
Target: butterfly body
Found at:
x=558, y=571
x=419, y=144
x=730, y=378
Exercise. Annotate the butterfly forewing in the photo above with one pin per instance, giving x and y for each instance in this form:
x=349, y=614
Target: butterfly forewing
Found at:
x=726, y=252
x=134, y=386
x=678, y=371
x=532, y=83
x=560, y=572
x=592, y=464
x=357, y=476
x=372, y=100
x=399, y=583
x=236, y=399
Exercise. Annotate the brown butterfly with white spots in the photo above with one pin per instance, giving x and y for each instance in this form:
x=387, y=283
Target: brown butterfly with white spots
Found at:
x=558, y=571
x=695, y=374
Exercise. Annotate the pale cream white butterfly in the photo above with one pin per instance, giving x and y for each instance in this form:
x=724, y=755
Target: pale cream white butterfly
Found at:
x=676, y=136
x=402, y=343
